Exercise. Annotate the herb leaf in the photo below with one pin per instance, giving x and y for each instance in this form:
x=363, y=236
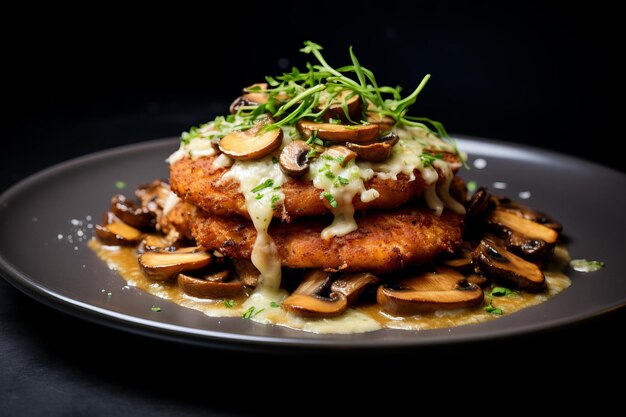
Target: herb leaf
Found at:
x=331, y=200
x=251, y=312
x=229, y=303
x=265, y=184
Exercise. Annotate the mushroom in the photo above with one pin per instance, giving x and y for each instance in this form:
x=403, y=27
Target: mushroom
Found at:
x=129, y=213
x=352, y=285
x=113, y=231
x=154, y=242
x=500, y=264
x=335, y=110
x=253, y=96
x=338, y=133
x=215, y=285
x=341, y=154
x=306, y=300
x=385, y=123
x=430, y=291
x=479, y=204
x=164, y=265
x=247, y=272
x=462, y=262
x=254, y=143
x=376, y=151
x=525, y=237
x=294, y=158
x=528, y=213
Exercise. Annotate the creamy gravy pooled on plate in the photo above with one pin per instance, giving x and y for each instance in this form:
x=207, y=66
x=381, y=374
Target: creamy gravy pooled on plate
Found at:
x=264, y=305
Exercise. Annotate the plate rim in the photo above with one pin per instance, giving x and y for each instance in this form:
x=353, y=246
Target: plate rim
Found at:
x=126, y=322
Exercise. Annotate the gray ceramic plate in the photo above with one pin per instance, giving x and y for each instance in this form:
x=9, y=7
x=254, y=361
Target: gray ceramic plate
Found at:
x=44, y=226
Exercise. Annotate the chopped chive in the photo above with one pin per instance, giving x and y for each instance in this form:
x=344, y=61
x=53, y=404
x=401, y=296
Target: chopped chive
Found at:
x=265, y=184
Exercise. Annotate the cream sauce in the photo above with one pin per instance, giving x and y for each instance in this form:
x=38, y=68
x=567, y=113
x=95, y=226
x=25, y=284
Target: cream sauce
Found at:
x=264, y=306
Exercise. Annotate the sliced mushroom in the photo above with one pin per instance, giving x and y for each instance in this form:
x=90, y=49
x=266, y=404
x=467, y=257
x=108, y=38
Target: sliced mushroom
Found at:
x=213, y=285
x=113, y=231
x=462, y=262
x=335, y=110
x=164, y=265
x=352, y=285
x=479, y=204
x=338, y=133
x=500, y=264
x=294, y=158
x=385, y=123
x=254, y=143
x=341, y=154
x=129, y=213
x=154, y=242
x=376, y=151
x=529, y=239
x=246, y=271
x=477, y=279
x=431, y=291
x=253, y=96
x=508, y=221
x=528, y=213
x=306, y=300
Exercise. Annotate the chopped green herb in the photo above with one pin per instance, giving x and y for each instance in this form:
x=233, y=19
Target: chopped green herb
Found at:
x=274, y=304
x=312, y=153
x=265, y=184
x=583, y=265
x=277, y=187
x=329, y=175
x=120, y=185
x=500, y=292
x=258, y=196
x=229, y=303
x=342, y=180
x=328, y=157
x=331, y=200
x=156, y=309
x=274, y=160
x=471, y=186
x=493, y=310
x=275, y=198
x=251, y=312
x=341, y=159
x=428, y=158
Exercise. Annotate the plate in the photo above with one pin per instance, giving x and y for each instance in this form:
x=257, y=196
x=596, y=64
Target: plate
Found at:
x=45, y=223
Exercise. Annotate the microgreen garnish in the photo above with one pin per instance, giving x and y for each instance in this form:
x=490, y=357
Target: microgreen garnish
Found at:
x=275, y=199
x=229, y=303
x=342, y=181
x=310, y=92
x=493, y=309
x=265, y=184
x=274, y=304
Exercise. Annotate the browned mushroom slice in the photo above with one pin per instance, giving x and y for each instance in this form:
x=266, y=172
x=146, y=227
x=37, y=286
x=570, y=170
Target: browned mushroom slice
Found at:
x=338, y=133
x=531, y=240
x=385, y=123
x=306, y=300
x=500, y=264
x=443, y=289
x=315, y=306
x=254, y=143
x=164, y=265
x=294, y=158
x=154, y=242
x=335, y=110
x=253, y=96
x=210, y=286
x=246, y=271
x=114, y=231
x=528, y=213
x=129, y=213
x=341, y=154
x=479, y=280
x=376, y=151
x=352, y=285
x=479, y=204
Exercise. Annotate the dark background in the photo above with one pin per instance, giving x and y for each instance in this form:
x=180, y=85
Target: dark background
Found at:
x=539, y=75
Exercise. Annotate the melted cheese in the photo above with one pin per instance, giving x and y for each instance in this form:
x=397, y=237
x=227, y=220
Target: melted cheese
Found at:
x=260, y=203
